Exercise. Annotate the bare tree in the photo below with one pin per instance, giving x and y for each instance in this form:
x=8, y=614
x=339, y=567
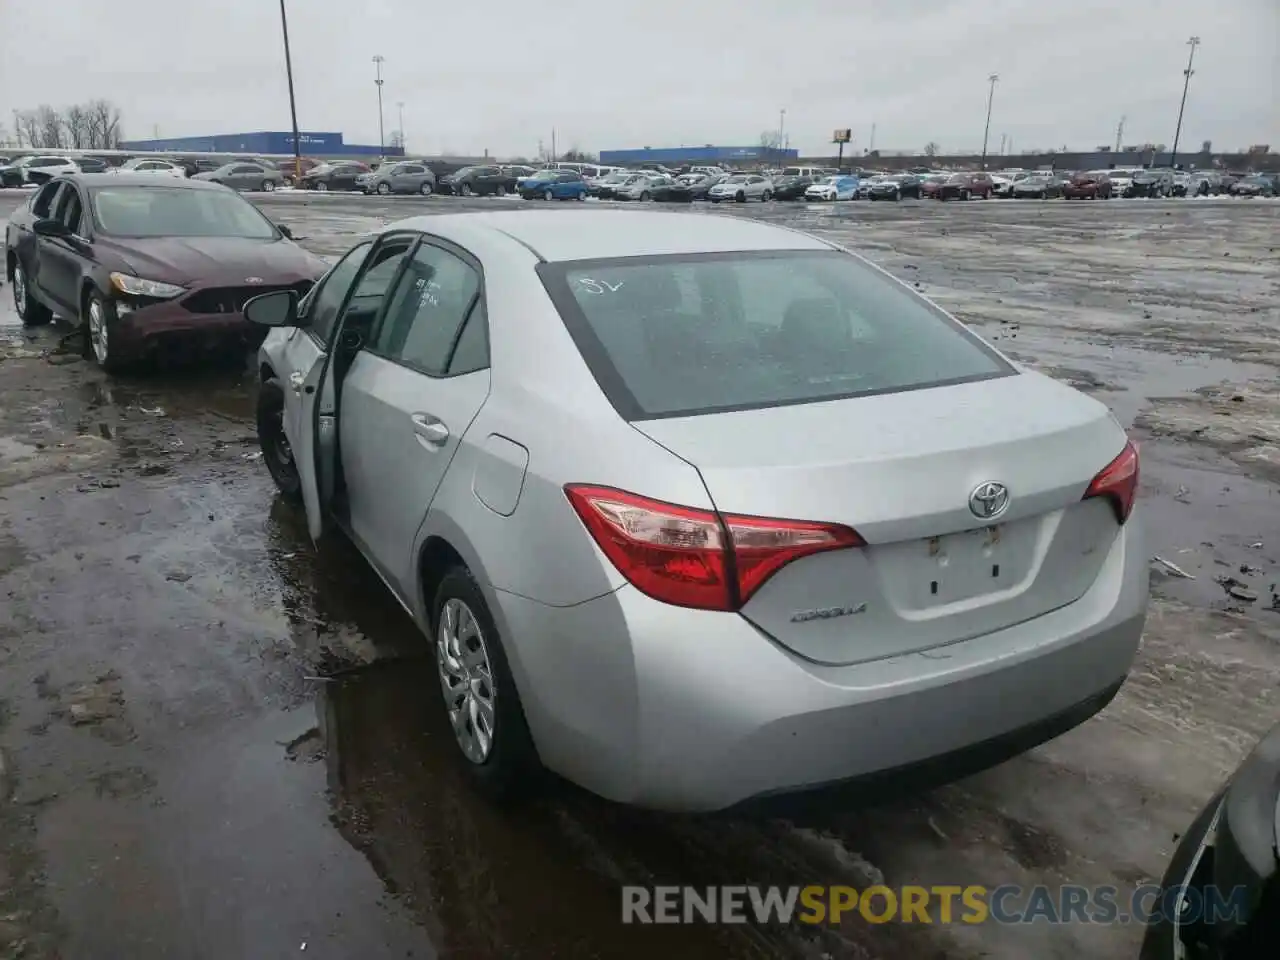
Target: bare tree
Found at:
x=931, y=149
x=103, y=125
x=1206, y=146
x=26, y=123
x=577, y=155
x=76, y=120
x=51, y=127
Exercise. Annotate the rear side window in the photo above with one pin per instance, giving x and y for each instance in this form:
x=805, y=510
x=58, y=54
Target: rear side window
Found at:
x=679, y=336
x=434, y=296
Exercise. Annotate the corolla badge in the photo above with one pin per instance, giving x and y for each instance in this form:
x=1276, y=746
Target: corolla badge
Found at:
x=828, y=613
x=253, y=280
x=989, y=500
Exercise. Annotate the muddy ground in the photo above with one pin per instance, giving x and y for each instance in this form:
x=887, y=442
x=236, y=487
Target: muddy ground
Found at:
x=216, y=743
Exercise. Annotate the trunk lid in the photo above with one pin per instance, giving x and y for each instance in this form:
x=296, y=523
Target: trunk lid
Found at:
x=900, y=469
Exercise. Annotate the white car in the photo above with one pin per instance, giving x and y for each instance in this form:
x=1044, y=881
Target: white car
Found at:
x=1121, y=179
x=160, y=168
x=43, y=169
x=742, y=187
x=833, y=188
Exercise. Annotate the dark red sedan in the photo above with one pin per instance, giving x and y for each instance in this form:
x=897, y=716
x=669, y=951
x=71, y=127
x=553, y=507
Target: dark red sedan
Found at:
x=1088, y=186
x=143, y=262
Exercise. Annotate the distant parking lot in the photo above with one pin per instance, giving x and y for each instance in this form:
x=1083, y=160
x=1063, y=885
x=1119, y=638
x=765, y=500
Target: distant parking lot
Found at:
x=166, y=620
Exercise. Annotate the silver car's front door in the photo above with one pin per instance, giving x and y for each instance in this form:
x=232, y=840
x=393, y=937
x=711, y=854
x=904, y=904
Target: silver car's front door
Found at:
x=302, y=364
x=407, y=402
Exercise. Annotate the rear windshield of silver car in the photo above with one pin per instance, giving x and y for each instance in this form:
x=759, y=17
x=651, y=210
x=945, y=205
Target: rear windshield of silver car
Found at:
x=709, y=333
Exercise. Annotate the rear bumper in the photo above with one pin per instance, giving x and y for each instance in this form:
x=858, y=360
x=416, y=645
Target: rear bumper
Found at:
x=695, y=710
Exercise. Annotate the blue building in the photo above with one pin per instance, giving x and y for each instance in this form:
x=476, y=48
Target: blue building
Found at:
x=266, y=142
x=704, y=155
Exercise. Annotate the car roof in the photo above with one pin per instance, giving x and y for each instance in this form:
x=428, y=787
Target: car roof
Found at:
x=590, y=234
x=93, y=180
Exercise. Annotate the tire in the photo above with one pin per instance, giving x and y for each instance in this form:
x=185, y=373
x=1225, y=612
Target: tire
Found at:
x=644, y=196
x=501, y=191
x=548, y=195
x=510, y=760
x=741, y=197
x=383, y=189
x=426, y=189
x=897, y=195
x=276, y=452
x=964, y=194
x=321, y=185
x=268, y=186
x=31, y=312
x=467, y=191
x=582, y=195
x=98, y=320
x=766, y=197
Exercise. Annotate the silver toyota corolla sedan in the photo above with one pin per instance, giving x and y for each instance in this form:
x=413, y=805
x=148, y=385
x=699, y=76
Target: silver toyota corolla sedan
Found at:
x=696, y=510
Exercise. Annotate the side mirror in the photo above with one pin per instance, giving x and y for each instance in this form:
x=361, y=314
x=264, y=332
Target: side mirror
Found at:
x=50, y=228
x=284, y=231
x=279, y=308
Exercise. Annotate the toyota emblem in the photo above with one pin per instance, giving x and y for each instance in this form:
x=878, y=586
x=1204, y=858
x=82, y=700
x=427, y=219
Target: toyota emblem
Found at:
x=253, y=280
x=989, y=500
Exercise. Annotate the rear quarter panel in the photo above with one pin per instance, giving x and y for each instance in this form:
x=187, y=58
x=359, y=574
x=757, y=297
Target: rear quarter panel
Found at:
x=555, y=410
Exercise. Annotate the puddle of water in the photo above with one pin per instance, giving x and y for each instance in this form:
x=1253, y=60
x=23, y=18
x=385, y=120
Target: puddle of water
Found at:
x=1126, y=377
x=485, y=881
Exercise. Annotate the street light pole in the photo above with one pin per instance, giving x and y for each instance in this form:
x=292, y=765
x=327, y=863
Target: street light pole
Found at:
x=1192, y=43
x=986, y=132
x=400, y=105
x=293, y=106
x=382, y=148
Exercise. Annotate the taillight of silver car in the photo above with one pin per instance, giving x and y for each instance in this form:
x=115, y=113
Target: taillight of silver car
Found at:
x=697, y=558
x=1118, y=481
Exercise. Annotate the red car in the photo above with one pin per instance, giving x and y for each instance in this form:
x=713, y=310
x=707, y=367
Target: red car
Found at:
x=966, y=186
x=931, y=187
x=145, y=261
x=1088, y=186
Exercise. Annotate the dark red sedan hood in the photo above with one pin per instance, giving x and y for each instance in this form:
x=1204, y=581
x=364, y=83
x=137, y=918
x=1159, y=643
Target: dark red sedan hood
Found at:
x=228, y=261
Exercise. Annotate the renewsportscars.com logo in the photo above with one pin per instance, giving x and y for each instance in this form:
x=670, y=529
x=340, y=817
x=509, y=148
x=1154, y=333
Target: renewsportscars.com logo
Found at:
x=974, y=904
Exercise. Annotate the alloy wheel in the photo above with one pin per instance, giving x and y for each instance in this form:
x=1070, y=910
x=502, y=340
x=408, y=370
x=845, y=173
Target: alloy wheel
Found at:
x=19, y=292
x=98, y=332
x=466, y=679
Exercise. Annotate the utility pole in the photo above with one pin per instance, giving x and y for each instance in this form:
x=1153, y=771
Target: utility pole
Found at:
x=1003, y=138
x=554, y=155
x=400, y=105
x=782, y=130
x=991, y=95
x=378, y=61
x=1186, y=83
x=293, y=106
x=871, y=144
x=1120, y=133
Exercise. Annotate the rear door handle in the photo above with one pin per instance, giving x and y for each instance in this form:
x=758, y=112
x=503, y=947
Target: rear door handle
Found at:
x=430, y=430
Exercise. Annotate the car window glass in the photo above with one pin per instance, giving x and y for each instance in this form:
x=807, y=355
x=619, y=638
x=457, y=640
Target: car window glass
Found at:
x=42, y=204
x=70, y=209
x=324, y=306
x=472, y=352
x=375, y=283
x=700, y=335
x=435, y=293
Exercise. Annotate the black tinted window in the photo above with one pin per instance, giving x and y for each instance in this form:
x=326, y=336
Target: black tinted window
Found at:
x=327, y=301
x=472, y=352
x=671, y=335
x=431, y=302
x=42, y=202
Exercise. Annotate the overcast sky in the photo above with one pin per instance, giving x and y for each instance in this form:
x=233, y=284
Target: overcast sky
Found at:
x=500, y=74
